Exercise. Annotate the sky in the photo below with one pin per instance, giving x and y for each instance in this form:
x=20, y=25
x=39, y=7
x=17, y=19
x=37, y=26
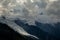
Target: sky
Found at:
x=44, y=11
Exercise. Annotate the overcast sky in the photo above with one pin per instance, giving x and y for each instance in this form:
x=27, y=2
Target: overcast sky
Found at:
x=44, y=11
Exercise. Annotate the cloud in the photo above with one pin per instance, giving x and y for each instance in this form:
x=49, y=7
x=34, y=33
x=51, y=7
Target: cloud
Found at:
x=44, y=11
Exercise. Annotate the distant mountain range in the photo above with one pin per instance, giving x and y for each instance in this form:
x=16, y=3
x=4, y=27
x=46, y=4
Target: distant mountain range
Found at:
x=42, y=31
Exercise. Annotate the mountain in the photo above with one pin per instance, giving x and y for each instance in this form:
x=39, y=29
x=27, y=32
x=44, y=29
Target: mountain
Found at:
x=53, y=31
x=41, y=30
x=6, y=33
